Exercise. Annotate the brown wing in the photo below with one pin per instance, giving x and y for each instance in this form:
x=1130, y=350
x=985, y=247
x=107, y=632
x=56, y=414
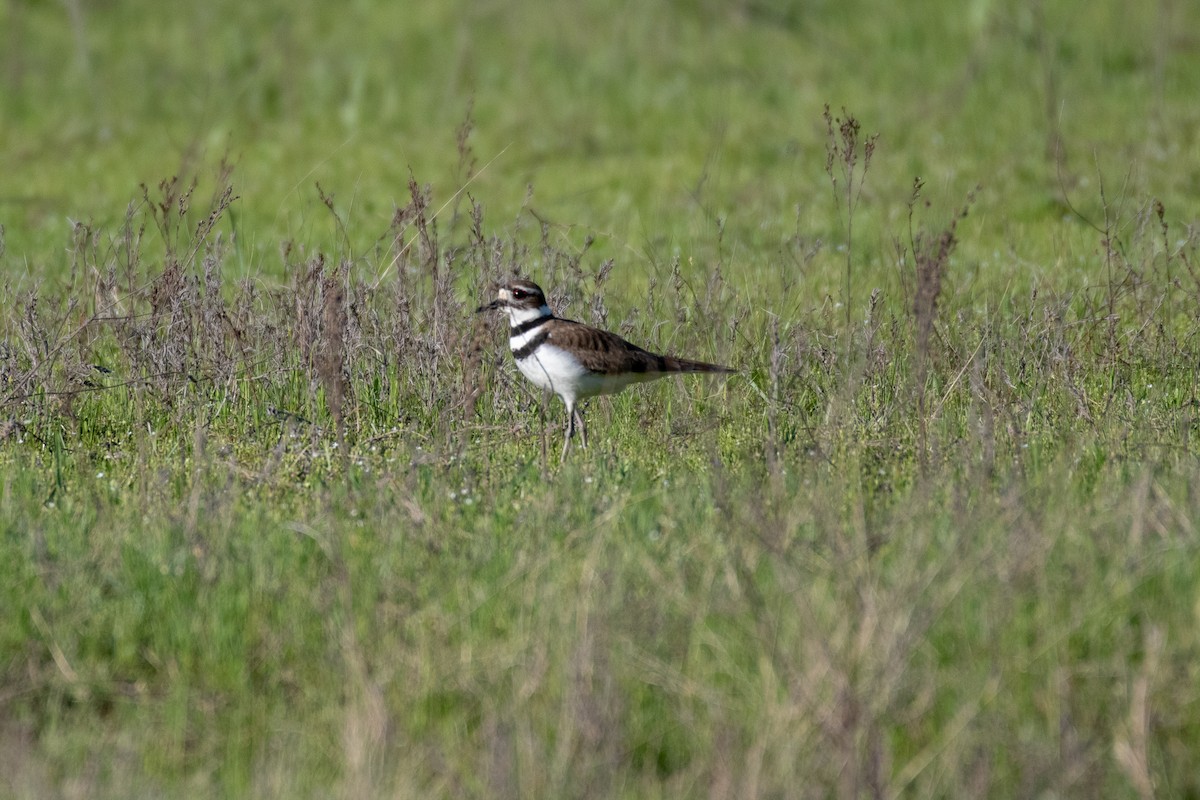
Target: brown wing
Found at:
x=606, y=353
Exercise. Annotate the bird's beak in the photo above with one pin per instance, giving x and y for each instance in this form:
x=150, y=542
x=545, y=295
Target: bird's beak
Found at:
x=489, y=307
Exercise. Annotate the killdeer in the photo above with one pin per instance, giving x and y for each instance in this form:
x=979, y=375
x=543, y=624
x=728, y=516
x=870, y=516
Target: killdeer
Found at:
x=573, y=360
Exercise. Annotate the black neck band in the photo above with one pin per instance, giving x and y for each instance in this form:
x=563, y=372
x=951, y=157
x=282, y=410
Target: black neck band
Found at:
x=522, y=353
x=529, y=324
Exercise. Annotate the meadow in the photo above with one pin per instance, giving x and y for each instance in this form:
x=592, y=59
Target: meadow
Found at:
x=279, y=517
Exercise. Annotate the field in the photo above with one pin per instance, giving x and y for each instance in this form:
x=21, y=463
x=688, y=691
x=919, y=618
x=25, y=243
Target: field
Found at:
x=279, y=517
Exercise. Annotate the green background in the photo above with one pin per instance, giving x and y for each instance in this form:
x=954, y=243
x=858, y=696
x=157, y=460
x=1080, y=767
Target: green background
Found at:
x=278, y=518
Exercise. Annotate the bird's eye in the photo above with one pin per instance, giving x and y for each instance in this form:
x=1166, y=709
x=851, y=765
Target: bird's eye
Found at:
x=519, y=293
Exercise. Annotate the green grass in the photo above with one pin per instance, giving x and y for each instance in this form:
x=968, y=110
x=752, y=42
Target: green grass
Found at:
x=278, y=517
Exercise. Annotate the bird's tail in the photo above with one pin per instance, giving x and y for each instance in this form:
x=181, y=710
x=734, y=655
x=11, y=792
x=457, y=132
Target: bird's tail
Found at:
x=684, y=365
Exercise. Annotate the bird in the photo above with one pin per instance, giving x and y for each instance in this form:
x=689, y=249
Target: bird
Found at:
x=574, y=360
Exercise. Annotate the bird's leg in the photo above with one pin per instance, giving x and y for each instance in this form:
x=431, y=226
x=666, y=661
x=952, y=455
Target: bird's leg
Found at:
x=570, y=431
x=582, y=428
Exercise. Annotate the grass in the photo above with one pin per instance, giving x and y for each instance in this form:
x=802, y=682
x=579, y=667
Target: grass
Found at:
x=279, y=518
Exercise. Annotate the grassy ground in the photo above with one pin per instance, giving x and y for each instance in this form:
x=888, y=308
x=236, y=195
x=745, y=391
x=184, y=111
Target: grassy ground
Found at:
x=278, y=517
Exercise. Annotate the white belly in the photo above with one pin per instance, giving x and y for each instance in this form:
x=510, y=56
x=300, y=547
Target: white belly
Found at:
x=552, y=368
